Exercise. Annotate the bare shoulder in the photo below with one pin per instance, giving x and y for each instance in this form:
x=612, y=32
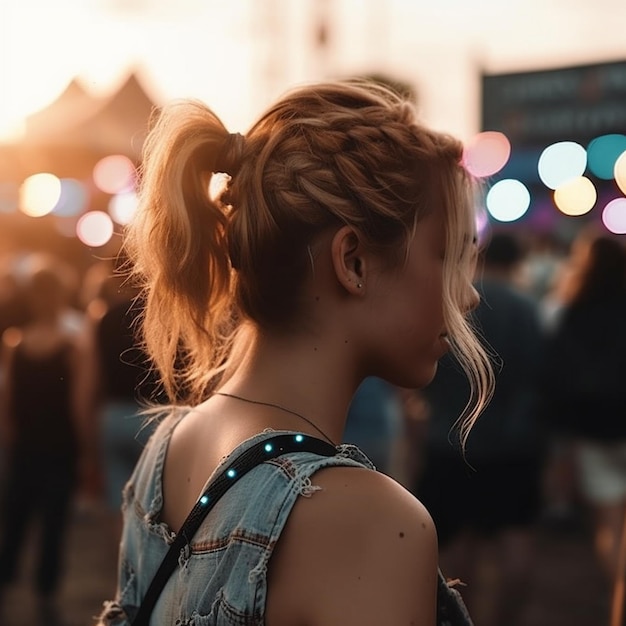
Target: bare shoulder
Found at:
x=372, y=501
x=365, y=545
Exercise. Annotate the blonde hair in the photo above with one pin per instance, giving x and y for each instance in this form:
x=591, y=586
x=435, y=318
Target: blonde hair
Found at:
x=324, y=155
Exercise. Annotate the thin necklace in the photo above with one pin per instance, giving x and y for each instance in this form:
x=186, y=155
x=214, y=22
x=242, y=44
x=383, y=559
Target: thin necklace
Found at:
x=278, y=406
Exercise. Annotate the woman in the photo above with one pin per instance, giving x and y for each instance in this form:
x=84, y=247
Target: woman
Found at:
x=43, y=429
x=585, y=396
x=116, y=383
x=340, y=247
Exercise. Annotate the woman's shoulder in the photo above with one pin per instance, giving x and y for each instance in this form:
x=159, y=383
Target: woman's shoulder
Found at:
x=365, y=541
x=354, y=490
x=357, y=506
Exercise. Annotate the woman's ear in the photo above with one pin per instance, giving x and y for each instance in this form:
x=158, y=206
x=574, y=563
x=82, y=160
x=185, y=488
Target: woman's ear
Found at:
x=349, y=260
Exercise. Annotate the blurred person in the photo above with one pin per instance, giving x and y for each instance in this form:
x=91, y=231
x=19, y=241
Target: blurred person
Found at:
x=374, y=422
x=562, y=506
x=121, y=386
x=485, y=499
x=12, y=313
x=12, y=308
x=42, y=430
x=585, y=394
x=339, y=248
x=560, y=289
x=100, y=284
x=543, y=263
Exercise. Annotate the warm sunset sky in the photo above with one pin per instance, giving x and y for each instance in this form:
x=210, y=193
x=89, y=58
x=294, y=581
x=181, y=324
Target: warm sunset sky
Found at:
x=238, y=54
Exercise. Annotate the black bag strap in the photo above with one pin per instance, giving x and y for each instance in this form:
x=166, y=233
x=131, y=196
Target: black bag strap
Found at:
x=263, y=451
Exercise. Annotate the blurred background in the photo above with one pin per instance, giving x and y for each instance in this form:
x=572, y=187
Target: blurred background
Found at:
x=536, y=89
x=80, y=79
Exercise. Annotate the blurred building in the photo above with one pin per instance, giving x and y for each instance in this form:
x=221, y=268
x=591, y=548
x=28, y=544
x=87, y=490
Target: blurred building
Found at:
x=65, y=142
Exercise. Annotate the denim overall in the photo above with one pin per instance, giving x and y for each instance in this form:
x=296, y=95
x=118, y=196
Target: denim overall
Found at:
x=222, y=580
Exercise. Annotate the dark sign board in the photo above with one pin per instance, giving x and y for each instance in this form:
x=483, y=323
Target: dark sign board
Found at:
x=538, y=108
x=574, y=104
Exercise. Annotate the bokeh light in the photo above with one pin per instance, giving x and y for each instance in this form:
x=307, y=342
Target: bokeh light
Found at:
x=614, y=216
x=114, y=174
x=576, y=196
x=508, y=200
x=561, y=162
x=486, y=153
x=620, y=172
x=39, y=194
x=603, y=152
x=95, y=228
x=73, y=200
x=122, y=207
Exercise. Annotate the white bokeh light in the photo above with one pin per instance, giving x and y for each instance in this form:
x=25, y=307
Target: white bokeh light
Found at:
x=508, y=200
x=39, y=194
x=561, y=162
x=122, y=207
x=95, y=228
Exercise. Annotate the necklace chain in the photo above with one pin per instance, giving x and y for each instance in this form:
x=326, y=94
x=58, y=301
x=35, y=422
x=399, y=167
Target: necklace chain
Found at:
x=282, y=408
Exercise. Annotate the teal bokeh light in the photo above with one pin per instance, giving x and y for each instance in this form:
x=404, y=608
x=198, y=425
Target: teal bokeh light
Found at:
x=603, y=152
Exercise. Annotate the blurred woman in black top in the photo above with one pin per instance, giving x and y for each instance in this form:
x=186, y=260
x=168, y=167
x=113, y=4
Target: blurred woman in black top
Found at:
x=42, y=432
x=585, y=391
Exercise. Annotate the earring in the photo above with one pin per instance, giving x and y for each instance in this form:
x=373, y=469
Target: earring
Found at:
x=359, y=285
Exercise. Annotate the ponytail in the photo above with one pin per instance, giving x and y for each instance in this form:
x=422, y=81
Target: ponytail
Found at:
x=177, y=244
x=213, y=270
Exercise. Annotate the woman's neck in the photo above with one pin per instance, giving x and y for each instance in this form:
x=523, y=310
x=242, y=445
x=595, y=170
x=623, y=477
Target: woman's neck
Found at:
x=306, y=375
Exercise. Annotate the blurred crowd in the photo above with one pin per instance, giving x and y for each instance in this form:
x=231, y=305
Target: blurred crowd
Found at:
x=73, y=383
x=550, y=448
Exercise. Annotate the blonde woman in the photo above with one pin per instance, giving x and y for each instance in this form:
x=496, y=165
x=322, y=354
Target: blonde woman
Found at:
x=341, y=246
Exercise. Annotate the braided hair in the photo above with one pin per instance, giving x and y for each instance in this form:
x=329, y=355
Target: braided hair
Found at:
x=324, y=155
